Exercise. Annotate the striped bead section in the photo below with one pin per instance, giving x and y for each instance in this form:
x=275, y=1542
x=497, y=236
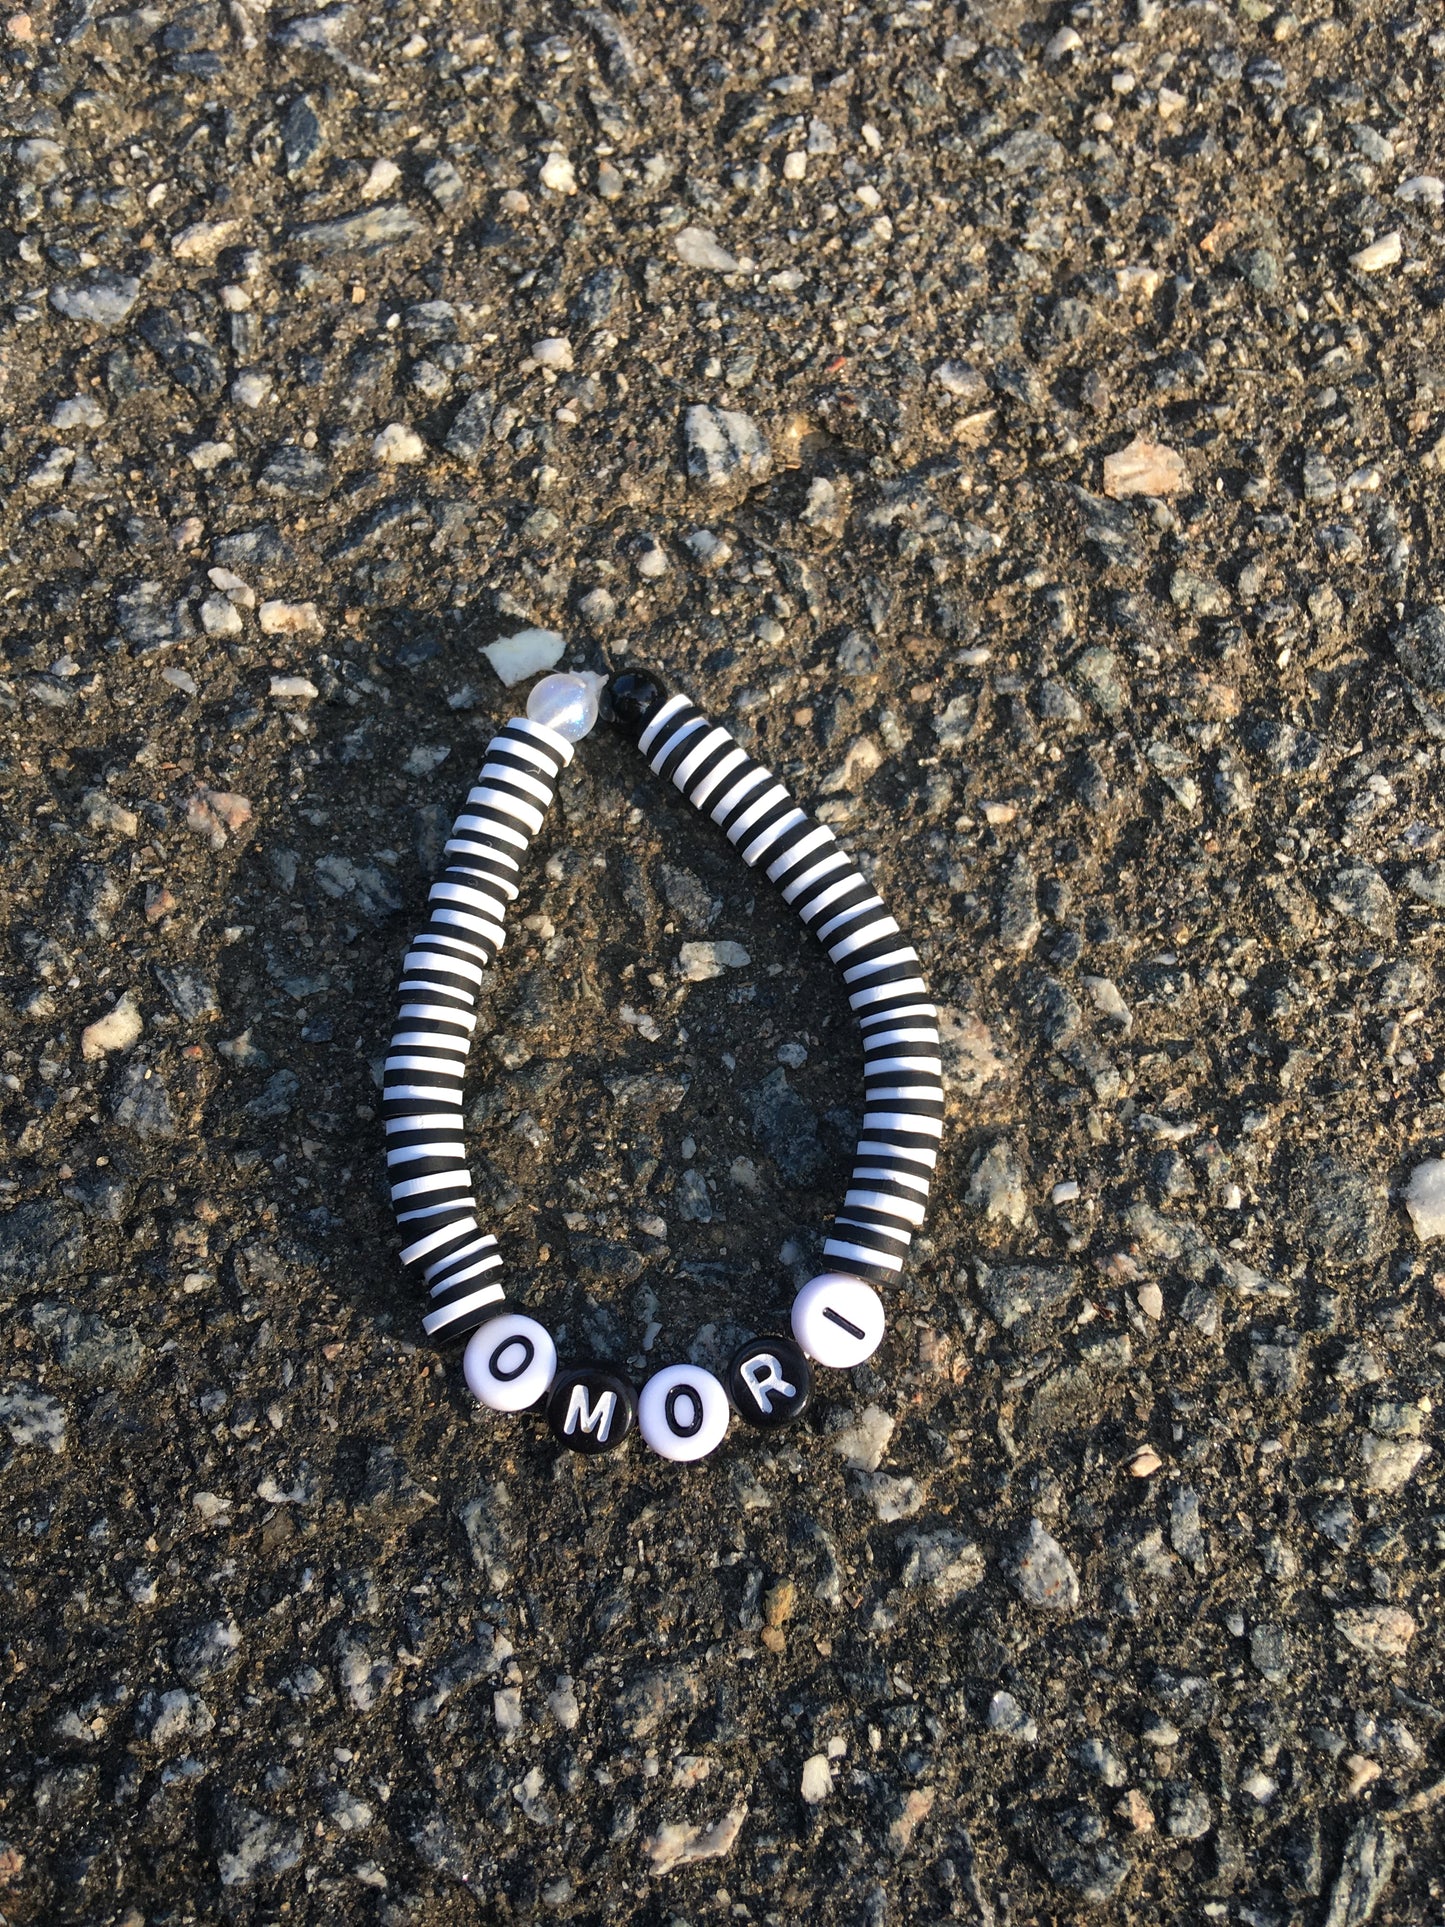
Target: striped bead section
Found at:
x=426, y=1161
x=903, y=1070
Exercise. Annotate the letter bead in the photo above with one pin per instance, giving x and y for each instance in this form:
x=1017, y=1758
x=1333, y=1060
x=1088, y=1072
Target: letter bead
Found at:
x=509, y=1362
x=682, y=1412
x=838, y=1320
x=591, y=1409
x=770, y=1382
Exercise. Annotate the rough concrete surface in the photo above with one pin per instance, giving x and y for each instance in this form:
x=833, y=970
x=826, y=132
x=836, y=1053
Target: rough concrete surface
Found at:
x=1027, y=426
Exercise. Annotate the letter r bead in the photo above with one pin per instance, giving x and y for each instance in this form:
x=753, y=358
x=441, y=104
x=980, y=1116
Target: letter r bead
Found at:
x=770, y=1382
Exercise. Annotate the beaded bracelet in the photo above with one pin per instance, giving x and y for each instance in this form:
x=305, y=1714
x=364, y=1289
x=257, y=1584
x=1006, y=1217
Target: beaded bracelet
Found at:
x=510, y=1362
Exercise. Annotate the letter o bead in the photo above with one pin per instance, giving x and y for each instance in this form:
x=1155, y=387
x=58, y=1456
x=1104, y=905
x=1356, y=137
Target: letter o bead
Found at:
x=838, y=1320
x=591, y=1410
x=682, y=1412
x=770, y=1382
x=509, y=1362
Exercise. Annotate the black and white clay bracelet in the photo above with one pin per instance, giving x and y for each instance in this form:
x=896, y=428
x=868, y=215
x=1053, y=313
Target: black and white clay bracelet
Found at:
x=511, y=1361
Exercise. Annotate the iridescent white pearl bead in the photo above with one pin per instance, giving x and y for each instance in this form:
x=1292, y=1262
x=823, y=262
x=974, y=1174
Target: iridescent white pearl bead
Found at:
x=838, y=1320
x=509, y=1362
x=682, y=1412
x=566, y=702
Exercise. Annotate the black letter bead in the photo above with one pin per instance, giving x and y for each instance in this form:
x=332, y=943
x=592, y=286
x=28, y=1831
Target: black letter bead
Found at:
x=770, y=1382
x=591, y=1409
x=633, y=695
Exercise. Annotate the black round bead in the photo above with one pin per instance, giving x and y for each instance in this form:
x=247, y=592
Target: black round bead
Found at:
x=770, y=1382
x=591, y=1409
x=633, y=695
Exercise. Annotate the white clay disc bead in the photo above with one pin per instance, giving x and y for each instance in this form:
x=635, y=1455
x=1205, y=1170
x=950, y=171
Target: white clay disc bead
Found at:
x=682, y=1412
x=838, y=1320
x=510, y=1362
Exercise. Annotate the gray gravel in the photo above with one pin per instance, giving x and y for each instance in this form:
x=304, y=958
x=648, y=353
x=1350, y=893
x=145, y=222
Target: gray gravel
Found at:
x=827, y=361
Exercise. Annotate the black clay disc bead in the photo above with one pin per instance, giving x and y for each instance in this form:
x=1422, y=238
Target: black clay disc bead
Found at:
x=591, y=1409
x=633, y=695
x=770, y=1382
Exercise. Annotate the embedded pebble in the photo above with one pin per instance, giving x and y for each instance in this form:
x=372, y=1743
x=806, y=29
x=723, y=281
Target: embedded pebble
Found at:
x=552, y=351
x=996, y=1184
x=709, y=549
x=446, y=184
x=32, y=1418
x=217, y=814
x=380, y=180
x=1378, y=255
x=861, y=1443
x=1019, y=922
x=1365, y=1869
x=946, y=1564
x=360, y=232
x=724, y=447
x=1144, y=468
x=51, y=470
x=220, y=616
x=207, y=1651
x=117, y=1030
x=1076, y=1855
x=557, y=175
x=397, y=445
x=101, y=814
x=251, y=389
x=1390, y=1464
x=1188, y=1814
x=1041, y=1572
x=1135, y=1811
x=289, y=619
x=253, y=1846
x=528, y=652
x=699, y=247
x=1420, y=645
x=598, y=607
x=1006, y=1716
x=164, y=1718
x=677, y=1844
x=81, y=411
x=1106, y=999
x=1383, y=1632
x=702, y=959
x=1424, y=1196
x=105, y=300
x=562, y=1703
x=1426, y=882
x=959, y=379
x=206, y=456
x=203, y=240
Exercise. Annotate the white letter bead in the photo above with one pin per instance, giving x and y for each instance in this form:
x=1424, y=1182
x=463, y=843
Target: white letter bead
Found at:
x=682, y=1412
x=510, y=1362
x=838, y=1320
